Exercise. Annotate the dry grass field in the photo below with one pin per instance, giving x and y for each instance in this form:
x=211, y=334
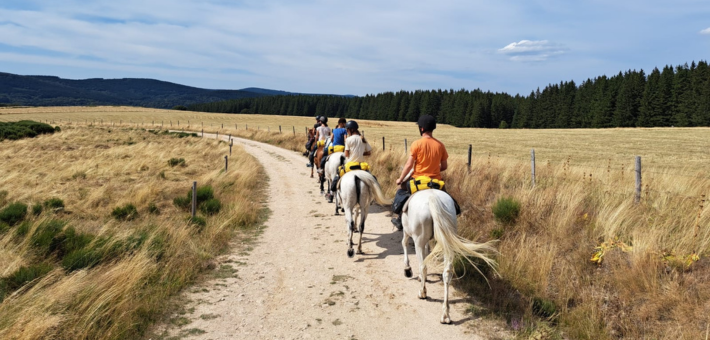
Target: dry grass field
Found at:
x=652, y=281
x=89, y=271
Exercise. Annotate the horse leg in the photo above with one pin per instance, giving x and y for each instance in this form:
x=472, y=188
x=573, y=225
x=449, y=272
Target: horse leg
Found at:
x=419, y=247
x=321, y=178
x=445, y=319
x=351, y=224
x=407, y=268
x=362, y=229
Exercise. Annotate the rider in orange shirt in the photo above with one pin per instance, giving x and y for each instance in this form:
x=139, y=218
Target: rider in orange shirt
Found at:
x=428, y=157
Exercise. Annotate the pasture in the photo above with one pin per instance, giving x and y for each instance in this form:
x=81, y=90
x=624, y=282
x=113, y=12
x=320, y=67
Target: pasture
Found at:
x=105, y=243
x=649, y=277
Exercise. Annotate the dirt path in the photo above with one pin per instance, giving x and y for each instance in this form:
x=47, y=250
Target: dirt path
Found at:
x=298, y=283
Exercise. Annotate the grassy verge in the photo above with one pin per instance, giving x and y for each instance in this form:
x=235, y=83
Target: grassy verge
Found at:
x=650, y=277
x=103, y=262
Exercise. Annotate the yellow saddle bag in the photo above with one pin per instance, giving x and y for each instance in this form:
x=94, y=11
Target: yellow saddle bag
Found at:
x=337, y=148
x=425, y=182
x=349, y=166
x=320, y=143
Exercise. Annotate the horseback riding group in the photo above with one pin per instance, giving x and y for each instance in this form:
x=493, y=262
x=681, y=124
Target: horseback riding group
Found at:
x=339, y=154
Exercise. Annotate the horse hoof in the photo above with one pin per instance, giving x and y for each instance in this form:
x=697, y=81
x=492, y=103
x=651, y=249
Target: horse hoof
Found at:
x=421, y=297
x=408, y=272
x=351, y=253
x=360, y=252
x=445, y=320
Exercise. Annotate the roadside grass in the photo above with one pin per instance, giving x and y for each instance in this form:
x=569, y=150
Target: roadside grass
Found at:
x=80, y=273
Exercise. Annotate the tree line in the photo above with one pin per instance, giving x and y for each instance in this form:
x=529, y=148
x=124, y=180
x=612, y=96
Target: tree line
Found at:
x=673, y=96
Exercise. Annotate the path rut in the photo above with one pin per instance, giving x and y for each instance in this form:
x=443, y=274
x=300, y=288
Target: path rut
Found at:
x=298, y=283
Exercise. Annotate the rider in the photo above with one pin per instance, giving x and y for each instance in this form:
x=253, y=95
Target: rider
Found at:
x=337, y=137
x=322, y=132
x=356, y=148
x=428, y=158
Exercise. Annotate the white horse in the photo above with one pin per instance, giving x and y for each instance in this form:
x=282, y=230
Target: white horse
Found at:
x=359, y=188
x=331, y=170
x=432, y=214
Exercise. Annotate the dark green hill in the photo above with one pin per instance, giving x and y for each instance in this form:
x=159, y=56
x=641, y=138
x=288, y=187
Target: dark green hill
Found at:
x=55, y=91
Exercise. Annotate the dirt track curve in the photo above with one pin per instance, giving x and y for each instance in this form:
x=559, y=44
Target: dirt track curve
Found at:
x=298, y=283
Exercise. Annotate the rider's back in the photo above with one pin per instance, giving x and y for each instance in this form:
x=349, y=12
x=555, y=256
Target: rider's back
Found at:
x=428, y=154
x=356, y=148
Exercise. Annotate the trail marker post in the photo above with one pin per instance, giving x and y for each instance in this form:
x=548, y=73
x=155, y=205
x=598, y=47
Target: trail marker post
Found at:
x=532, y=160
x=638, y=179
x=194, y=198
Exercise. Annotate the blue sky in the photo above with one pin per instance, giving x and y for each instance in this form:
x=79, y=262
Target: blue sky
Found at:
x=351, y=47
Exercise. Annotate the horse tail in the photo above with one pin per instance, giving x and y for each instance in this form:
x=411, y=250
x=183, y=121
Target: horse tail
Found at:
x=357, y=188
x=374, y=186
x=449, y=244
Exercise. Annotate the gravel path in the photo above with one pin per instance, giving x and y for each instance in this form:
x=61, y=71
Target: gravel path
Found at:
x=298, y=283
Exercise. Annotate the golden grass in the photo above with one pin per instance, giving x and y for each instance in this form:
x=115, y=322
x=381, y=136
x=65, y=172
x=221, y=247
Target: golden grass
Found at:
x=584, y=197
x=95, y=170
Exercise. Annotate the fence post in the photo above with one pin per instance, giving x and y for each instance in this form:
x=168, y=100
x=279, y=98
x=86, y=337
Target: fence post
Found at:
x=638, y=179
x=235, y=126
x=279, y=128
x=383, y=143
x=231, y=142
x=405, y=146
x=203, y=133
x=222, y=125
x=294, y=130
x=194, y=198
x=470, y=147
x=226, y=163
x=532, y=160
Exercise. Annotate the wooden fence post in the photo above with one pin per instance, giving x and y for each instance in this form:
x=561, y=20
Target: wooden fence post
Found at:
x=226, y=163
x=532, y=160
x=470, y=147
x=203, y=133
x=279, y=128
x=294, y=130
x=405, y=146
x=383, y=143
x=638, y=179
x=194, y=199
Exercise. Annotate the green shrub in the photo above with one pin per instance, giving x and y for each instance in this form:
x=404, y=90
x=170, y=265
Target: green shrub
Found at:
x=506, y=210
x=23, y=129
x=81, y=258
x=503, y=125
x=497, y=233
x=23, y=229
x=198, y=221
x=180, y=107
x=54, y=203
x=47, y=236
x=153, y=209
x=71, y=241
x=543, y=307
x=176, y=161
x=13, y=213
x=204, y=194
x=57, y=129
x=22, y=276
x=4, y=227
x=127, y=212
x=182, y=202
x=211, y=207
x=37, y=209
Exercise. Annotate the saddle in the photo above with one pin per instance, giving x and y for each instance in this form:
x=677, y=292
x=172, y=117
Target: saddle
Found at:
x=425, y=182
x=320, y=143
x=336, y=148
x=350, y=166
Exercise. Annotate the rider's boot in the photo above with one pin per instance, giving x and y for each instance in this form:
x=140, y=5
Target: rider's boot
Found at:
x=397, y=221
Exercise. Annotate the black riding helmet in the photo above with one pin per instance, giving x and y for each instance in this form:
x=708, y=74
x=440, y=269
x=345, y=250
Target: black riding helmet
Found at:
x=352, y=125
x=427, y=123
x=324, y=119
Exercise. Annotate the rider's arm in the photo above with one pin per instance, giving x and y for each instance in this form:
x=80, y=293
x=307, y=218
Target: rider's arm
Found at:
x=347, y=153
x=407, y=168
x=444, y=165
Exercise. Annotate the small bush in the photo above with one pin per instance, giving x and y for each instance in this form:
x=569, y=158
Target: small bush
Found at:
x=4, y=227
x=497, y=233
x=72, y=241
x=182, y=202
x=176, y=161
x=79, y=175
x=13, y=213
x=23, y=129
x=127, y=212
x=81, y=258
x=54, y=203
x=204, y=194
x=180, y=107
x=57, y=129
x=37, y=209
x=506, y=210
x=198, y=221
x=211, y=207
x=47, y=236
x=543, y=307
x=161, y=175
x=503, y=125
x=153, y=209
x=22, y=276
x=23, y=229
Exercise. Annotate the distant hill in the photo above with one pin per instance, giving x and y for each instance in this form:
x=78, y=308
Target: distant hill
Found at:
x=55, y=91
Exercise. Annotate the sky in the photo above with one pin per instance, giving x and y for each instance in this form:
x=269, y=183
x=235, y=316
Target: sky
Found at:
x=351, y=47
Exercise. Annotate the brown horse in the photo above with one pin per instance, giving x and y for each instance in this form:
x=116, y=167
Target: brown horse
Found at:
x=316, y=164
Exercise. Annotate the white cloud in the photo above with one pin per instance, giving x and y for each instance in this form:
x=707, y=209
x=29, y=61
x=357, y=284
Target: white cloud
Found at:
x=705, y=31
x=532, y=50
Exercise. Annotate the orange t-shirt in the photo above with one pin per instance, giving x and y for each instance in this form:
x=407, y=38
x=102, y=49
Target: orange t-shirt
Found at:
x=428, y=153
